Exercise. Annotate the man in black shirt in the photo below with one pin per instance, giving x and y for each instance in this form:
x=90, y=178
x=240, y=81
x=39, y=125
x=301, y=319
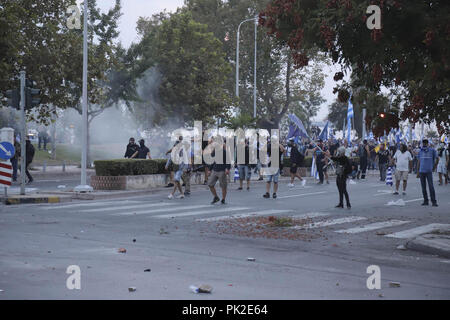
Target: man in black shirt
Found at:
x=132, y=147
x=383, y=160
x=296, y=162
x=219, y=171
x=143, y=152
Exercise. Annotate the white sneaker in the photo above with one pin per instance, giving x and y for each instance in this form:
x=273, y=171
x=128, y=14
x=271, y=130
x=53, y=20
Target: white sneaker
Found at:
x=181, y=196
x=170, y=196
x=303, y=182
x=290, y=185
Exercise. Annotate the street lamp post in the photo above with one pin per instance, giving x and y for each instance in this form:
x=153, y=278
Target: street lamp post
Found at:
x=84, y=187
x=237, y=63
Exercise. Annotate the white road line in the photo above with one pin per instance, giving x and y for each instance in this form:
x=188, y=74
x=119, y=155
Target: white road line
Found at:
x=130, y=213
x=303, y=194
x=373, y=226
x=195, y=213
x=410, y=233
x=137, y=206
x=101, y=203
x=327, y=223
x=245, y=215
x=310, y=215
x=414, y=200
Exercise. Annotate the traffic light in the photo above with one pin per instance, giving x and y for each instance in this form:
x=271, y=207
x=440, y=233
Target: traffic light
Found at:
x=13, y=98
x=32, y=98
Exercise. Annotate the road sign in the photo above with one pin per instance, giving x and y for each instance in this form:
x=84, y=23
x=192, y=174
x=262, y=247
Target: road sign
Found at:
x=7, y=150
x=5, y=173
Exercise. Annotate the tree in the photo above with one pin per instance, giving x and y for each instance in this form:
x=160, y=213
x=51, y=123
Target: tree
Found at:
x=410, y=51
x=191, y=65
x=281, y=88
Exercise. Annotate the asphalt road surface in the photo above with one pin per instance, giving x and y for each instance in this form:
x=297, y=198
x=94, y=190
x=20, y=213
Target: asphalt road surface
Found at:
x=323, y=255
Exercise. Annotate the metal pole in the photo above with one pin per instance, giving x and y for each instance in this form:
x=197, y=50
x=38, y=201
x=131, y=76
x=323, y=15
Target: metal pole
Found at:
x=22, y=134
x=83, y=187
x=254, y=85
x=237, y=62
x=364, y=123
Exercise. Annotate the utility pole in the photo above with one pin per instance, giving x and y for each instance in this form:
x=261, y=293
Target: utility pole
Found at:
x=84, y=187
x=254, y=75
x=22, y=133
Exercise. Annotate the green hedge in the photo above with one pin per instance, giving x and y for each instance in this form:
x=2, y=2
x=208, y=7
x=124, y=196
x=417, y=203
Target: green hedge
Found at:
x=129, y=167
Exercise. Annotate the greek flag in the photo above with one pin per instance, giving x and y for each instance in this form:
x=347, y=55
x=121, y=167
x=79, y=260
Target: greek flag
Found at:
x=236, y=174
x=389, y=176
x=414, y=137
x=350, y=115
x=324, y=134
x=371, y=135
x=314, y=172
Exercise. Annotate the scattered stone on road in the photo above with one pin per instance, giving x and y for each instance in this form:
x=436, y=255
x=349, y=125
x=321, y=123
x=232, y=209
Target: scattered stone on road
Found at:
x=122, y=250
x=394, y=284
x=147, y=270
x=132, y=289
x=205, y=288
x=250, y=259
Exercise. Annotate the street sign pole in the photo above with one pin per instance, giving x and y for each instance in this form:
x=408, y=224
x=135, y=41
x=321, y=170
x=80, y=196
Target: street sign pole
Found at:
x=22, y=134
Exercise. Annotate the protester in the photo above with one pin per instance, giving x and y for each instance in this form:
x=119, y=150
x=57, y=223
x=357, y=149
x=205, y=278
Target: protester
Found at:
x=187, y=173
x=319, y=155
x=363, y=153
x=403, y=161
x=182, y=168
x=143, y=152
x=219, y=171
x=296, y=162
x=273, y=177
x=29, y=154
x=343, y=168
x=383, y=161
x=169, y=163
x=443, y=157
x=132, y=148
x=245, y=172
x=15, y=160
x=426, y=166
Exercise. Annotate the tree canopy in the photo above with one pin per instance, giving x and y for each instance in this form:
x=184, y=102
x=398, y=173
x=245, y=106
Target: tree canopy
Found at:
x=410, y=52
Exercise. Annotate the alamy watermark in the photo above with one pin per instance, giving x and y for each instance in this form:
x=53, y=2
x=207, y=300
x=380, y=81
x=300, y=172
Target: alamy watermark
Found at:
x=374, y=20
x=233, y=143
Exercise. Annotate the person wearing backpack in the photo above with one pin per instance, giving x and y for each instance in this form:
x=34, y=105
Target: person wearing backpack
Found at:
x=343, y=169
x=29, y=154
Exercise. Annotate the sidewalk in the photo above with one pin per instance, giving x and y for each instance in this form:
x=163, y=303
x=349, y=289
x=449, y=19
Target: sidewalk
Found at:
x=57, y=171
x=436, y=243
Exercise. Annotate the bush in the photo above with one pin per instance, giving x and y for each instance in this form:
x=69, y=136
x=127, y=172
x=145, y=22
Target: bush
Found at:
x=130, y=167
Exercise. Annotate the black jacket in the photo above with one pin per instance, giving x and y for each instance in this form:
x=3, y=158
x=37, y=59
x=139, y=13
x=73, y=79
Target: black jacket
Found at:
x=29, y=152
x=131, y=149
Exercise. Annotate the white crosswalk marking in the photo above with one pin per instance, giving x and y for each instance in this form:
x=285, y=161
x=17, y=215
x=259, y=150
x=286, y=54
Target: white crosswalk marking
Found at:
x=145, y=205
x=244, y=215
x=331, y=222
x=302, y=195
x=410, y=233
x=373, y=226
x=310, y=215
x=93, y=204
x=130, y=213
x=195, y=213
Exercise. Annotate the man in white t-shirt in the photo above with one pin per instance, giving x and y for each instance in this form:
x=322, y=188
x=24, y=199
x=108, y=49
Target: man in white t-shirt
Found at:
x=403, y=160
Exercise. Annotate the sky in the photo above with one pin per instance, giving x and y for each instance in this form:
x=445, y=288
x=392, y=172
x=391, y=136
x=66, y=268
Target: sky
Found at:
x=133, y=9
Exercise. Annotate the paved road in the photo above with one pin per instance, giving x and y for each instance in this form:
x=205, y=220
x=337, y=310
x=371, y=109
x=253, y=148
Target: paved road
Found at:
x=186, y=242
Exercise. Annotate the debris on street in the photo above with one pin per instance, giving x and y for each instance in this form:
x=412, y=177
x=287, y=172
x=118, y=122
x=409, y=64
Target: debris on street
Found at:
x=122, y=250
x=132, y=289
x=394, y=284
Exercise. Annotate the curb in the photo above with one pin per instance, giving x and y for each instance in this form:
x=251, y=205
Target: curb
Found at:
x=14, y=200
x=431, y=244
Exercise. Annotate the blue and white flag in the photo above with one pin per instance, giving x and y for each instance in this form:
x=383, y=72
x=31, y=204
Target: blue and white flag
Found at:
x=414, y=137
x=297, y=128
x=398, y=136
x=389, y=176
x=371, y=135
x=324, y=134
x=350, y=115
x=314, y=172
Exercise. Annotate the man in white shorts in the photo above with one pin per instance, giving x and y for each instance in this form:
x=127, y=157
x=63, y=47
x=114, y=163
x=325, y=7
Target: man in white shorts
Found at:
x=403, y=160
